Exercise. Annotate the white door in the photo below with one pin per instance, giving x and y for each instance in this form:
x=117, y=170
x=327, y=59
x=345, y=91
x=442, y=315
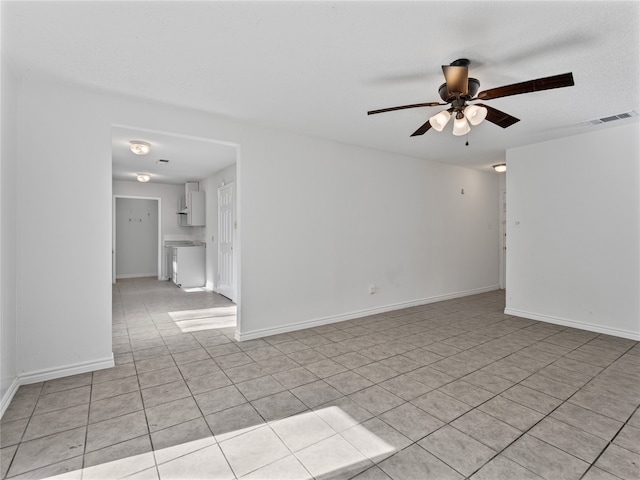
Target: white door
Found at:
x=226, y=237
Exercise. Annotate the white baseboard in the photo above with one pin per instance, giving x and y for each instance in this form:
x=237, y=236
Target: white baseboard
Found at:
x=616, y=332
x=265, y=332
x=28, y=378
x=137, y=275
x=65, y=371
x=8, y=396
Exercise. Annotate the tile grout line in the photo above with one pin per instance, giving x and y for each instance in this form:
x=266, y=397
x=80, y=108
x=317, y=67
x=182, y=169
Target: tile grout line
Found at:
x=86, y=430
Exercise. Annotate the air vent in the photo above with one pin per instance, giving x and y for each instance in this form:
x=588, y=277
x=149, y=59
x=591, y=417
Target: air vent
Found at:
x=162, y=161
x=612, y=118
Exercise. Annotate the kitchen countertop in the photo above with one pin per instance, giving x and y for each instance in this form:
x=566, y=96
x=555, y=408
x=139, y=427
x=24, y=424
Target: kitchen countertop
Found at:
x=183, y=243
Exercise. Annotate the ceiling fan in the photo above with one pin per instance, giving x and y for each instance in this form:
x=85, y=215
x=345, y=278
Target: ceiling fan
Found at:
x=459, y=89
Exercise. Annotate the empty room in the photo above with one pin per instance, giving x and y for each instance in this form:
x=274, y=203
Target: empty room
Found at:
x=361, y=240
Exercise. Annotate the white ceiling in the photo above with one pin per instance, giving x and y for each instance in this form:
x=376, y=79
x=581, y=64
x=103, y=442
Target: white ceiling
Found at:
x=316, y=68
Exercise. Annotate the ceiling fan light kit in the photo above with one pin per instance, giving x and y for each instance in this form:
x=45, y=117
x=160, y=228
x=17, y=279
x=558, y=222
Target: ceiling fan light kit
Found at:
x=460, y=125
x=475, y=114
x=440, y=120
x=459, y=89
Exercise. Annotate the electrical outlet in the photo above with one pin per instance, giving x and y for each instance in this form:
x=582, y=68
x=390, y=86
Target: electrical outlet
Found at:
x=373, y=289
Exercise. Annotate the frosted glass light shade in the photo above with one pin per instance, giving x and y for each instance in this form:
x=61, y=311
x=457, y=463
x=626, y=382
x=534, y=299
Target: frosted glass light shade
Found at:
x=439, y=120
x=139, y=147
x=475, y=114
x=461, y=126
x=143, y=177
x=500, y=167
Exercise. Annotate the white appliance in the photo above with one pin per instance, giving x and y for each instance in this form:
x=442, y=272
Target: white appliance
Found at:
x=189, y=266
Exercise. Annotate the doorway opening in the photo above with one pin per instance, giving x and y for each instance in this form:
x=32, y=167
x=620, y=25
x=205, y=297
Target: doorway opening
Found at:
x=136, y=240
x=178, y=165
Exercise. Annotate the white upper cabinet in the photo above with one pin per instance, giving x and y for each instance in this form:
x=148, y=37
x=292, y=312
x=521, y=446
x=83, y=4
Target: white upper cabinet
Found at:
x=195, y=208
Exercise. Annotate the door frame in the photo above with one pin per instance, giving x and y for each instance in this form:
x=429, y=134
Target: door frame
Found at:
x=113, y=233
x=503, y=240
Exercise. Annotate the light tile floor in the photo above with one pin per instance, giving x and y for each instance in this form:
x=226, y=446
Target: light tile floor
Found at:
x=454, y=389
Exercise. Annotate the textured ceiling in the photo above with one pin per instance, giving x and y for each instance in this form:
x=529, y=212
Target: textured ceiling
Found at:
x=316, y=68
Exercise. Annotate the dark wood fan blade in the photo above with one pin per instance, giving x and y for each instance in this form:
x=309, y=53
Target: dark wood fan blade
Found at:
x=415, y=105
x=457, y=78
x=421, y=131
x=501, y=119
x=547, y=83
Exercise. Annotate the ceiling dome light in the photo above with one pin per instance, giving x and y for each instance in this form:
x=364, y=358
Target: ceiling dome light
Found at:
x=460, y=125
x=139, y=147
x=439, y=120
x=500, y=167
x=475, y=114
x=143, y=177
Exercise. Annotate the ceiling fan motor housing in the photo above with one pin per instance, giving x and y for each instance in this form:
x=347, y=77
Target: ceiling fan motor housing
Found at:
x=461, y=62
x=472, y=89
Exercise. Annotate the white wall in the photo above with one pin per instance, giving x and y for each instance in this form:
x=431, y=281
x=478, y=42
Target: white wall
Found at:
x=317, y=223
x=8, y=234
x=328, y=220
x=64, y=178
x=136, y=237
x=168, y=194
x=573, y=221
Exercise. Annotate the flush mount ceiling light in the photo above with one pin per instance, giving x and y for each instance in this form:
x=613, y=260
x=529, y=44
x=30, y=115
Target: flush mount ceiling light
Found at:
x=500, y=167
x=139, y=147
x=143, y=177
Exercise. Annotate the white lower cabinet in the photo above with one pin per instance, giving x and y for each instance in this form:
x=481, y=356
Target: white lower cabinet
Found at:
x=188, y=266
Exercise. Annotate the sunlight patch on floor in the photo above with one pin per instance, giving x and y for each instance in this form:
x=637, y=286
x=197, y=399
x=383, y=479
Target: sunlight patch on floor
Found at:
x=196, y=289
x=308, y=446
x=205, y=318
